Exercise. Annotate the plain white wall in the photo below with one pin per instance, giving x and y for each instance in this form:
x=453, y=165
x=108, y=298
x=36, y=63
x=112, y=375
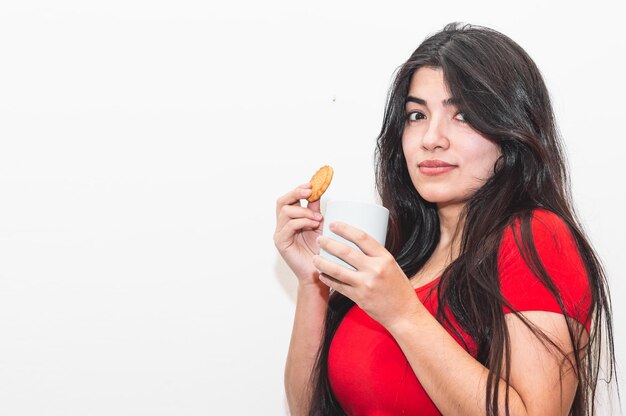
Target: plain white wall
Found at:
x=143, y=145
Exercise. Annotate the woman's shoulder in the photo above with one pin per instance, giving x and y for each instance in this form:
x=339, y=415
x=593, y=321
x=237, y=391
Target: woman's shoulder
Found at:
x=538, y=258
x=545, y=227
x=542, y=235
x=542, y=219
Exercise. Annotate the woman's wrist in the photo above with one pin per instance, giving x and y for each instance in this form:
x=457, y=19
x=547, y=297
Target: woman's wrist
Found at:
x=410, y=322
x=313, y=287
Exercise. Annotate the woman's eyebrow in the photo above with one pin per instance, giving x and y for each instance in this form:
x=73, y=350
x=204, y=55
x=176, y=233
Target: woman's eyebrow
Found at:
x=446, y=102
x=411, y=99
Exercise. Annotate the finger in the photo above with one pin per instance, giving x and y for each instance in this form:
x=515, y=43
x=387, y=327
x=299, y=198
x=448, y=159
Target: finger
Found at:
x=341, y=250
x=341, y=274
x=294, y=212
x=294, y=196
x=314, y=206
x=289, y=229
x=336, y=285
x=363, y=240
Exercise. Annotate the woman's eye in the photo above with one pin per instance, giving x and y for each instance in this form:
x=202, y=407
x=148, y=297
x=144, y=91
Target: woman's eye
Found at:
x=460, y=116
x=415, y=115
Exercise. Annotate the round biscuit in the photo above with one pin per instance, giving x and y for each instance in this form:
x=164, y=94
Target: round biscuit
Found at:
x=320, y=182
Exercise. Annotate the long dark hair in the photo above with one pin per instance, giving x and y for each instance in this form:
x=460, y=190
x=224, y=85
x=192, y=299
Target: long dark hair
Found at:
x=502, y=95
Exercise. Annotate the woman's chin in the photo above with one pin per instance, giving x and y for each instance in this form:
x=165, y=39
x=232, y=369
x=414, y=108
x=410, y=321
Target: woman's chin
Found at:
x=445, y=200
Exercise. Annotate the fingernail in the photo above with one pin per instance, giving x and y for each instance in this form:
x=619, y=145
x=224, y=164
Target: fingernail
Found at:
x=318, y=240
x=317, y=216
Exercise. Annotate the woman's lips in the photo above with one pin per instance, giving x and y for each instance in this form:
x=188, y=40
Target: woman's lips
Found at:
x=434, y=167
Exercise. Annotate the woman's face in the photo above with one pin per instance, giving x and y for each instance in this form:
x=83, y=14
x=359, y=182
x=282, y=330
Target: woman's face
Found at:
x=447, y=159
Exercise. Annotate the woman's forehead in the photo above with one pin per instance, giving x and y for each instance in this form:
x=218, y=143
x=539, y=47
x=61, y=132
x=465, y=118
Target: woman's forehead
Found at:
x=428, y=84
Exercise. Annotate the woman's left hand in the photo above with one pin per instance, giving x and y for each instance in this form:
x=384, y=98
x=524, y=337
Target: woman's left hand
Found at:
x=378, y=285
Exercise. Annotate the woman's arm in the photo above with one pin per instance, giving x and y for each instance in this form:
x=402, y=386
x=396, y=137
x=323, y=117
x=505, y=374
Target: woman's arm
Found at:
x=541, y=381
x=297, y=228
x=306, y=338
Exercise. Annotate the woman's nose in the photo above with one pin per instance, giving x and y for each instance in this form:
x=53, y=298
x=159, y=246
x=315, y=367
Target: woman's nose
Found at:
x=436, y=135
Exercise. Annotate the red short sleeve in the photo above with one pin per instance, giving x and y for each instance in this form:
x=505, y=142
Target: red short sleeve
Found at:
x=561, y=259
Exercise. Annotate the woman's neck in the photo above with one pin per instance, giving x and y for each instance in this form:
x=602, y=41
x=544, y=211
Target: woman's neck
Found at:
x=450, y=229
x=448, y=247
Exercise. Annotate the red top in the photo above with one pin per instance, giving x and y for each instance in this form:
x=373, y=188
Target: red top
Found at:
x=370, y=375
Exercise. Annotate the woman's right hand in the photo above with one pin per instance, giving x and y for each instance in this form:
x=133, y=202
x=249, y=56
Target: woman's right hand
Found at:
x=297, y=229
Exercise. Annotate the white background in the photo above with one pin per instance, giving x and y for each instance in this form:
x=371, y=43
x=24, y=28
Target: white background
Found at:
x=143, y=145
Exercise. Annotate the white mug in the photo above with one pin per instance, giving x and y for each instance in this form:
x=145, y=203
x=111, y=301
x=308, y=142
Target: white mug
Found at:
x=371, y=218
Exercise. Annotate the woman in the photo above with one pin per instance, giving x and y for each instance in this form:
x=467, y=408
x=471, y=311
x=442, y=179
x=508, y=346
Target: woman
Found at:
x=488, y=298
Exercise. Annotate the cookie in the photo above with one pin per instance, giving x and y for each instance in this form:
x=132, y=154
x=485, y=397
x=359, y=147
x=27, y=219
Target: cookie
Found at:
x=320, y=182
